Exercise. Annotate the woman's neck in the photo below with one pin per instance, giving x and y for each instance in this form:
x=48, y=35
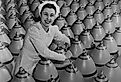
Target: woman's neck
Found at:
x=46, y=28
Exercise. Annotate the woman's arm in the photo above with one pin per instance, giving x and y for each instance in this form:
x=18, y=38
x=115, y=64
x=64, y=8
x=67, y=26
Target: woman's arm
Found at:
x=42, y=47
x=60, y=36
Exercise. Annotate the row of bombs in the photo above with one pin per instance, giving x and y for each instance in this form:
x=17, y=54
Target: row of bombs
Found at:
x=77, y=28
x=16, y=32
x=51, y=74
x=99, y=13
x=89, y=20
x=45, y=70
x=11, y=41
x=77, y=47
x=71, y=17
x=77, y=42
x=79, y=5
x=98, y=10
x=90, y=12
x=66, y=71
x=86, y=70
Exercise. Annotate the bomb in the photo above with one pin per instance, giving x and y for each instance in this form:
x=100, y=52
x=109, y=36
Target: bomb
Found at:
x=101, y=78
x=71, y=18
x=60, y=3
x=107, y=2
x=107, y=11
x=24, y=7
x=17, y=29
x=28, y=22
x=2, y=10
x=116, y=36
x=45, y=71
x=111, y=44
x=115, y=6
x=81, y=13
x=8, y=2
x=4, y=74
x=116, y=18
x=108, y=25
x=65, y=9
x=11, y=22
x=86, y=66
x=76, y=48
x=90, y=9
x=88, y=41
x=89, y=21
x=83, y=3
x=6, y=58
x=74, y=5
x=100, y=56
x=67, y=31
x=25, y=16
x=98, y=15
x=71, y=74
x=3, y=37
x=112, y=71
x=22, y=76
x=30, y=2
x=4, y=27
x=98, y=33
x=77, y=27
x=16, y=44
x=12, y=12
x=68, y=2
x=10, y=6
x=34, y=5
x=60, y=21
x=99, y=5
x=21, y=2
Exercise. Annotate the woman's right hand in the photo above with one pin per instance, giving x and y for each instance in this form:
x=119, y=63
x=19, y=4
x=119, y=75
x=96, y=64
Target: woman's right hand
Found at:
x=62, y=57
x=65, y=61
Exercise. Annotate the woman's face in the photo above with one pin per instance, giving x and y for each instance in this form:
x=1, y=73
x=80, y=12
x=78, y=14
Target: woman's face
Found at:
x=48, y=16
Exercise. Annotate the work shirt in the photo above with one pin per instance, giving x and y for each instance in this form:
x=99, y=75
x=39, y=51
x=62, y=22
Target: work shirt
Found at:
x=41, y=40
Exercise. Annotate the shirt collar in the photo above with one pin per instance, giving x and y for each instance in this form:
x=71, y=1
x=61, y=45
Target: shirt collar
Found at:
x=46, y=29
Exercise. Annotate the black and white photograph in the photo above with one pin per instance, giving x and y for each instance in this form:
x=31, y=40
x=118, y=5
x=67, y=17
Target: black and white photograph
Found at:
x=60, y=40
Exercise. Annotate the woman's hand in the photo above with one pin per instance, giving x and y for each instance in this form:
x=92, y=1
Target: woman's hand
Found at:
x=67, y=46
x=62, y=57
x=68, y=54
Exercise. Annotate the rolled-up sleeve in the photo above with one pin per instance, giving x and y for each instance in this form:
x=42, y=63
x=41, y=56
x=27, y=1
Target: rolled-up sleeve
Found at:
x=38, y=41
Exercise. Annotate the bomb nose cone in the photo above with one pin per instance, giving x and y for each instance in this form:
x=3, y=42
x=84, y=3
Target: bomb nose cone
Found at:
x=101, y=77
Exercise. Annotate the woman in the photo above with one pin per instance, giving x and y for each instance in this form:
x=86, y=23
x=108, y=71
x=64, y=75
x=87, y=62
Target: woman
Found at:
x=39, y=36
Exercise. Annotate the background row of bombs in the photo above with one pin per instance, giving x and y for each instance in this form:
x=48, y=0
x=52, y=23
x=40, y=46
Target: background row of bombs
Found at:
x=93, y=27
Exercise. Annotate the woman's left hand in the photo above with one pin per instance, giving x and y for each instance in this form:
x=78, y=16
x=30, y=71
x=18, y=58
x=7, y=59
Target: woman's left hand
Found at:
x=68, y=54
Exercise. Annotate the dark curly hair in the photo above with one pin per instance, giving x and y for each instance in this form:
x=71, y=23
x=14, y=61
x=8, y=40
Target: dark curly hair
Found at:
x=48, y=5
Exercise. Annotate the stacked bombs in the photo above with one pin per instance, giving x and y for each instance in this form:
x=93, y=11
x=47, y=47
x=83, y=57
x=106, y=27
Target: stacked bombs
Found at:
x=7, y=63
x=93, y=26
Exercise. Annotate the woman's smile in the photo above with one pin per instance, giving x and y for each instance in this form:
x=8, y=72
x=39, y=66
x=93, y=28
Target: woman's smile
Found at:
x=48, y=16
x=48, y=21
